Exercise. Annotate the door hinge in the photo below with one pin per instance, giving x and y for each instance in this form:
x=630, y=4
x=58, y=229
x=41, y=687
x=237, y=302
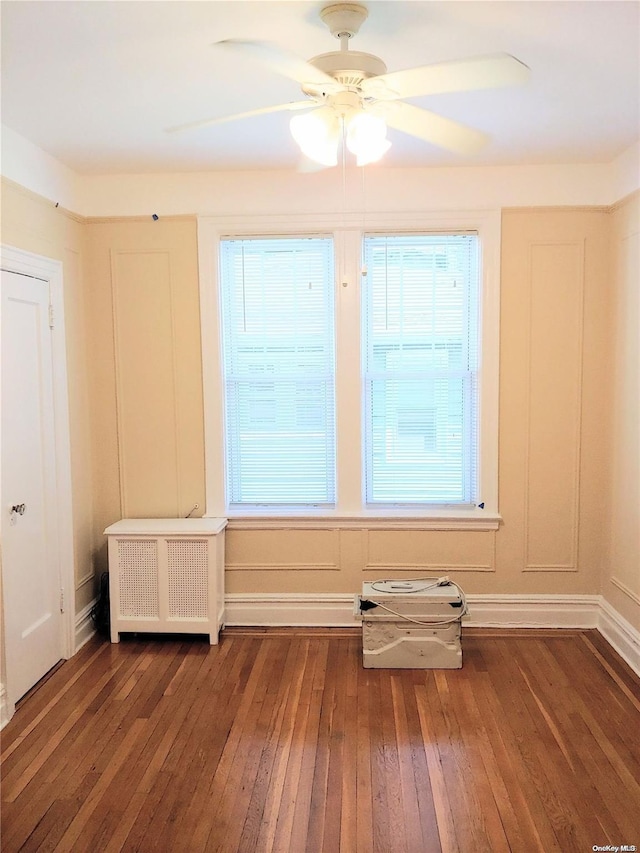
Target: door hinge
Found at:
x=50, y=316
x=61, y=599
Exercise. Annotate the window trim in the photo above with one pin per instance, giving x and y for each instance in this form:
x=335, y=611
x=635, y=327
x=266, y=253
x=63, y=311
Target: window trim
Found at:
x=348, y=231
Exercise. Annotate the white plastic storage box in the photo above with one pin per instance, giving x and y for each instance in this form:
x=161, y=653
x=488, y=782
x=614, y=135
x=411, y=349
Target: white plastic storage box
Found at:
x=395, y=642
x=166, y=575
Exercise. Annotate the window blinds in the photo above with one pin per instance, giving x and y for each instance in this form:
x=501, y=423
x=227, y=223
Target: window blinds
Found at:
x=420, y=318
x=278, y=349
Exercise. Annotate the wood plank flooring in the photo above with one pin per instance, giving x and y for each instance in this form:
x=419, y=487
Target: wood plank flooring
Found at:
x=279, y=740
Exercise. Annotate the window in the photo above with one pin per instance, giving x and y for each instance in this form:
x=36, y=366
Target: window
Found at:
x=351, y=374
x=420, y=354
x=278, y=355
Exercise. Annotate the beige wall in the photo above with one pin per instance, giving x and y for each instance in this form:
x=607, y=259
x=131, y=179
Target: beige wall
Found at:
x=621, y=578
x=36, y=225
x=569, y=292
x=147, y=400
x=146, y=371
x=553, y=465
x=553, y=390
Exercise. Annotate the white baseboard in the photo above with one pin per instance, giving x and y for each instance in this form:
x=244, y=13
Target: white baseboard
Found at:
x=319, y=610
x=620, y=634
x=84, y=626
x=6, y=708
x=533, y=611
x=336, y=610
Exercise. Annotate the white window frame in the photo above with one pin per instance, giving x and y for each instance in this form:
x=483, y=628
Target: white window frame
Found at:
x=348, y=231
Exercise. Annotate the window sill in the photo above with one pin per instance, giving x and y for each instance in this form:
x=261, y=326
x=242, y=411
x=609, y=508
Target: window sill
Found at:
x=474, y=520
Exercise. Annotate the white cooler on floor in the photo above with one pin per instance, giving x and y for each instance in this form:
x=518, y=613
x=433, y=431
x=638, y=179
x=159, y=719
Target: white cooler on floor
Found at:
x=394, y=642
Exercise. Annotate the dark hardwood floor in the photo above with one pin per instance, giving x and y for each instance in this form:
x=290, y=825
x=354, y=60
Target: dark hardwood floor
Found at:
x=279, y=740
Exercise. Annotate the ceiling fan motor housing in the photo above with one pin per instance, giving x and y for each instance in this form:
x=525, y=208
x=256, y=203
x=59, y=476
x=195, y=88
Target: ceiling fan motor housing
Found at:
x=348, y=68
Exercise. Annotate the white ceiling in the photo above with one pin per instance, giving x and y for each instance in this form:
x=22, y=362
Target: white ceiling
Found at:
x=95, y=83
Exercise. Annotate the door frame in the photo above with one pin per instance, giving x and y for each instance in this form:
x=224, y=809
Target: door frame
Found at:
x=19, y=261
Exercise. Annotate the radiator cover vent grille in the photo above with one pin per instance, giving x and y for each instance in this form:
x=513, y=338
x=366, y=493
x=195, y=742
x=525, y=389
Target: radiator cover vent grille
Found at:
x=138, y=578
x=188, y=573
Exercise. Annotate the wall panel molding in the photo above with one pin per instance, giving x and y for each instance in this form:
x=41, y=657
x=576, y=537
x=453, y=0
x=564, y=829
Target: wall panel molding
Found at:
x=177, y=444
x=434, y=568
x=626, y=590
x=439, y=568
x=89, y=577
x=305, y=561
x=546, y=486
x=129, y=446
x=282, y=567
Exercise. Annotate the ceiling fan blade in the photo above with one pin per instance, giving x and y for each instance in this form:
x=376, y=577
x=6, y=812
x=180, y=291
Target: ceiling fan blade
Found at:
x=193, y=125
x=281, y=61
x=433, y=128
x=485, y=72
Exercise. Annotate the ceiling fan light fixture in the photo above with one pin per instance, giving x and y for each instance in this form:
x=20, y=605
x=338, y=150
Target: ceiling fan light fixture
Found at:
x=371, y=153
x=367, y=138
x=318, y=135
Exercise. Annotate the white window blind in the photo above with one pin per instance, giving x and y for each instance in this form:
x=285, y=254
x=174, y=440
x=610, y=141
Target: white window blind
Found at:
x=420, y=318
x=278, y=348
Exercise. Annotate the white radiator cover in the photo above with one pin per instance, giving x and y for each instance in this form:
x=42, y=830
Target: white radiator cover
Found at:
x=166, y=576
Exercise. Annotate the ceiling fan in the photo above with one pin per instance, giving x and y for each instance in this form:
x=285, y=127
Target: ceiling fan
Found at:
x=351, y=96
